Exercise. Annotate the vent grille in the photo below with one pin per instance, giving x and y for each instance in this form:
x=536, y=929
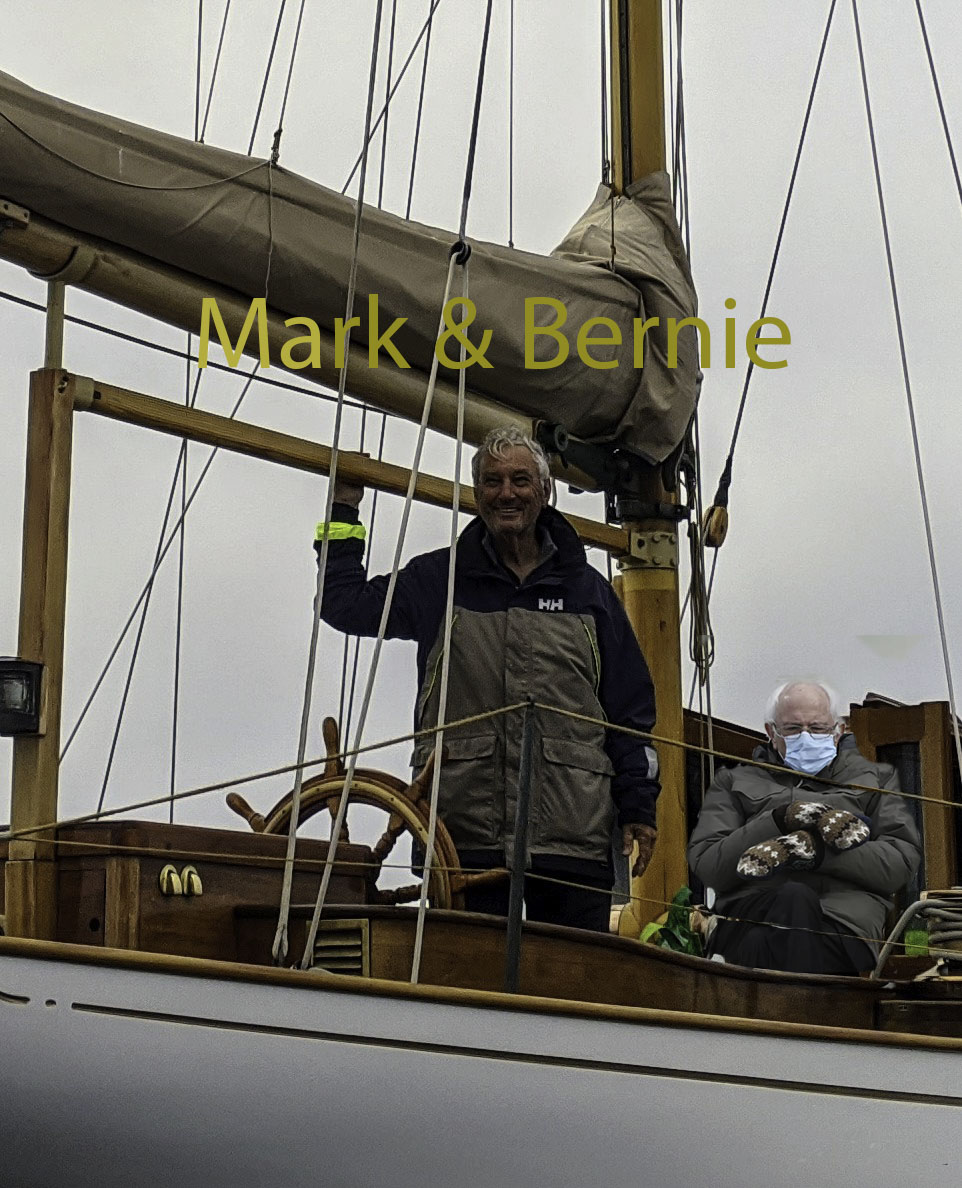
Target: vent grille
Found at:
x=343, y=946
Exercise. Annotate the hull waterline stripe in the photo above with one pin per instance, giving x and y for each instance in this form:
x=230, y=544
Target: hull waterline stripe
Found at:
x=506, y=1057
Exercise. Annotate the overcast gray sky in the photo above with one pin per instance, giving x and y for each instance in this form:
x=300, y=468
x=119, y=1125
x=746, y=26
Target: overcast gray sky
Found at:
x=825, y=570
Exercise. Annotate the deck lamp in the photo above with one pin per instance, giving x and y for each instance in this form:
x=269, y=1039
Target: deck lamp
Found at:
x=19, y=696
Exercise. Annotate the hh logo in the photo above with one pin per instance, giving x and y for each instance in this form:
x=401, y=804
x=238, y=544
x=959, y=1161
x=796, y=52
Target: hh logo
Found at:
x=551, y=604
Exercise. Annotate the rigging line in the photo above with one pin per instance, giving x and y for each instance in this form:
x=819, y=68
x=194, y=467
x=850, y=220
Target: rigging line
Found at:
x=417, y=122
x=338, y=823
x=682, y=131
x=387, y=100
x=475, y=122
x=445, y=655
x=938, y=96
x=280, y=945
x=118, y=181
x=279, y=130
x=213, y=76
x=267, y=75
x=605, y=150
x=458, y=257
x=181, y=461
x=148, y=585
x=721, y=496
x=182, y=466
x=367, y=562
x=269, y=773
x=910, y=402
x=377, y=123
x=511, y=127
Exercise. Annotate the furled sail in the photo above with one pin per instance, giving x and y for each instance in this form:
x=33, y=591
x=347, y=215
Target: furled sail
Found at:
x=218, y=216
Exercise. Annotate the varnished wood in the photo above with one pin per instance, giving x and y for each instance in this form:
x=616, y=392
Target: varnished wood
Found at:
x=939, y=825
x=164, y=416
x=641, y=91
x=31, y=903
x=122, y=906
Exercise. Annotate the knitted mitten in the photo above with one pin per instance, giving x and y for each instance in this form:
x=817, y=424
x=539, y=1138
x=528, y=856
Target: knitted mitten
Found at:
x=796, y=851
x=839, y=829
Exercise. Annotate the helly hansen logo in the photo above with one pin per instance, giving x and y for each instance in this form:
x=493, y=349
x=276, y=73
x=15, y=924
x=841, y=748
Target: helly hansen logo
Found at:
x=551, y=604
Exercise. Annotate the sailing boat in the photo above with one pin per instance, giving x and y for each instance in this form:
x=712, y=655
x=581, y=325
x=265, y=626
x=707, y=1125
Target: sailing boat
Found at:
x=226, y=1042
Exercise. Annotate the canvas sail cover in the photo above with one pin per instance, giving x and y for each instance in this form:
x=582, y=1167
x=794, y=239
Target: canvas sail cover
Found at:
x=218, y=215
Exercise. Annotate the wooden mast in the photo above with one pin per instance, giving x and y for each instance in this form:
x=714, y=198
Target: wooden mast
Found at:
x=31, y=872
x=649, y=576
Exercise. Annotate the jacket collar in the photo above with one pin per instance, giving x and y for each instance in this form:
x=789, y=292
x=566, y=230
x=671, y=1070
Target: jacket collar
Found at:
x=567, y=558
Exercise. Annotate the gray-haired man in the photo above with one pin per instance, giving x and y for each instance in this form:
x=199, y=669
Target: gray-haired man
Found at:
x=532, y=619
x=780, y=847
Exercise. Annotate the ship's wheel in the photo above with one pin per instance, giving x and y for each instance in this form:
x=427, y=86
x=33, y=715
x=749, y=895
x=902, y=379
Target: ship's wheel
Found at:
x=408, y=809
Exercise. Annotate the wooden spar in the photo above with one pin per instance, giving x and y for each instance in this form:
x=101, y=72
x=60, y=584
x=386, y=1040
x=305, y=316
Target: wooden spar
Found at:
x=30, y=879
x=240, y=437
x=175, y=297
x=649, y=585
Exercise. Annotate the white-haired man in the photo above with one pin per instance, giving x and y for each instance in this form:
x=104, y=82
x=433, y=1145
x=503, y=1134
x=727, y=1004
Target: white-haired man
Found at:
x=795, y=847
x=532, y=619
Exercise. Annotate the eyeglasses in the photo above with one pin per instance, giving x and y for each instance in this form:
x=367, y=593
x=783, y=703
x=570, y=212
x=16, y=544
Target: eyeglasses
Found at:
x=794, y=729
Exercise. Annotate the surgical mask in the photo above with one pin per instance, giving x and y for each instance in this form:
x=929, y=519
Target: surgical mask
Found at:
x=809, y=753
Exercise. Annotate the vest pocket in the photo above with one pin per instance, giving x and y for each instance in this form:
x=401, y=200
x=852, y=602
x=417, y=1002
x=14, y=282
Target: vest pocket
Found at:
x=575, y=812
x=466, y=800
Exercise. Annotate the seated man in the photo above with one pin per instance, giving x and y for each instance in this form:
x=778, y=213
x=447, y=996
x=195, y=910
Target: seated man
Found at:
x=781, y=848
x=531, y=618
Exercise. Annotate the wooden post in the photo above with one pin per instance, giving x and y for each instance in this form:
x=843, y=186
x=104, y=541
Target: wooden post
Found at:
x=649, y=581
x=31, y=882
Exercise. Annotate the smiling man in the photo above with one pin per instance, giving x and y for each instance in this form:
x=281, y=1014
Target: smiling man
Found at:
x=532, y=618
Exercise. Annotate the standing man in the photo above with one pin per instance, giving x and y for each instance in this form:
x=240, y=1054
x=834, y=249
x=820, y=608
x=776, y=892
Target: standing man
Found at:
x=817, y=860
x=531, y=619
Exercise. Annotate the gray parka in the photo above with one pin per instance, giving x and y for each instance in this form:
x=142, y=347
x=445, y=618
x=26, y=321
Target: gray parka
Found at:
x=854, y=887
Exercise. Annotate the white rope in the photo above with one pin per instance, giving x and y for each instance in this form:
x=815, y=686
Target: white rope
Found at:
x=445, y=663
x=307, y=959
x=280, y=946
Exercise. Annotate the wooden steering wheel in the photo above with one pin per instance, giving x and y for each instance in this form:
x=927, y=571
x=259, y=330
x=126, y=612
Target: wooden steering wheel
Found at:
x=408, y=809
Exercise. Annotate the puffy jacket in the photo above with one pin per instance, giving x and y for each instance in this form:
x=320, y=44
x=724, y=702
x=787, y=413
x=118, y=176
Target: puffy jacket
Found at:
x=854, y=887
x=560, y=636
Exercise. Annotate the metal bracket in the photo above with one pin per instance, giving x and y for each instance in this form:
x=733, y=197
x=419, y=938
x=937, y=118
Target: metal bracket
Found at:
x=12, y=215
x=654, y=550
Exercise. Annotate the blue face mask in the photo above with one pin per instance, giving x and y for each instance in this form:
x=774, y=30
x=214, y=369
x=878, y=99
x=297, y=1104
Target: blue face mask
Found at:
x=809, y=753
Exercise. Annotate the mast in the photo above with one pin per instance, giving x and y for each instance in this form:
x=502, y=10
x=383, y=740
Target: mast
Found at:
x=649, y=574
x=31, y=871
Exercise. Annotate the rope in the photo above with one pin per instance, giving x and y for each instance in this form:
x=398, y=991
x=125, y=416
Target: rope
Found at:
x=475, y=121
x=213, y=76
x=417, y=122
x=267, y=75
x=445, y=657
x=377, y=123
x=254, y=777
x=279, y=130
x=280, y=946
x=724, y=483
x=939, y=911
x=387, y=100
x=938, y=97
x=307, y=957
x=910, y=403
x=511, y=126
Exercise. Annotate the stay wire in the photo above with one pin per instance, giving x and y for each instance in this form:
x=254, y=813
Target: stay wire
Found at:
x=401, y=73
x=267, y=76
x=475, y=123
x=387, y=99
x=213, y=76
x=445, y=655
x=724, y=483
x=280, y=945
x=417, y=122
x=511, y=126
x=938, y=97
x=909, y=399
x=279, y=130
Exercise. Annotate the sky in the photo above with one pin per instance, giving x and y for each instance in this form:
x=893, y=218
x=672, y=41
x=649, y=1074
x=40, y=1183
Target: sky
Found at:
x=825, y=572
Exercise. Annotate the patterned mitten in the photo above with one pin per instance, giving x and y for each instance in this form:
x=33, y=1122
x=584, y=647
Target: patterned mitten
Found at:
x=839, y=829
x=796, y=851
